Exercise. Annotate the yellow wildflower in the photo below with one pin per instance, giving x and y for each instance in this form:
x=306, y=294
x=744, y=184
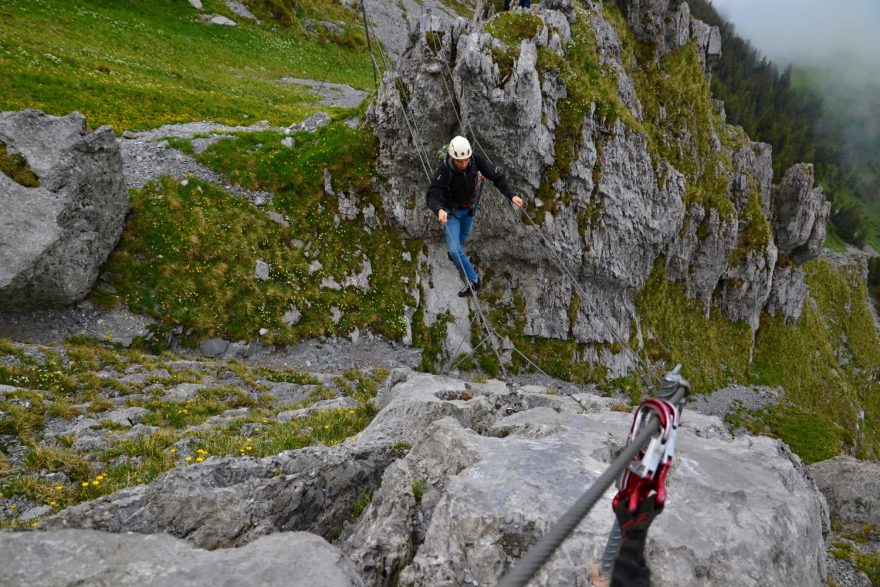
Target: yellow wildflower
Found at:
x=200, y=459
x=59, y=487
x=188, y=459
x=85, y=483
x=96, y=482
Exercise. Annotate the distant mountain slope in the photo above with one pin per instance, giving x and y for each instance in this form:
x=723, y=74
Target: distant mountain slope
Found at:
x=791, y=110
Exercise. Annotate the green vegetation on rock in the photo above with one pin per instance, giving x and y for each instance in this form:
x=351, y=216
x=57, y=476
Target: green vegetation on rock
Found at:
x=189, y=252
x=17, y=169
x=228, y=414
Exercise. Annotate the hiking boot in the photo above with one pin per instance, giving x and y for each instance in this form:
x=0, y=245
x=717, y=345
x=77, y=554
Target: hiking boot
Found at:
x=472, y=286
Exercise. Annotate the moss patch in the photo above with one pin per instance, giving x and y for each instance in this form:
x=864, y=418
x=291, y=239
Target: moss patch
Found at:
x=806, y=358
x=17, y=168
x=713, y=350
x=754, y=230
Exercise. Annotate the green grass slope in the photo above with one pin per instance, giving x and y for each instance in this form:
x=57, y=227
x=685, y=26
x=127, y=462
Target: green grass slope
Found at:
x=138, y=64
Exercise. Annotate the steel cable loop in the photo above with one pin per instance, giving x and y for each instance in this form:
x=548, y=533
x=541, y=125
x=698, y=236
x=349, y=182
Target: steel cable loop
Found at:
x=529, y=565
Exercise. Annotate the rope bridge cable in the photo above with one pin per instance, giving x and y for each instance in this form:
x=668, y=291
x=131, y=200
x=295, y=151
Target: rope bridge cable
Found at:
x=410, y=124
x=530, y=564
x=544, y=373
x=483, y=321
x=619, y=339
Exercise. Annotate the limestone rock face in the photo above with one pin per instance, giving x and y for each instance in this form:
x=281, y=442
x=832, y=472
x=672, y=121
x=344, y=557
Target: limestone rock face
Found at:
x=788, y=292
x=572, y=265
x=667, y=25
x=54, y=238
x=464, y=478
x=852, y=488
x=800, y=214
x=462, y=506
x=88, y=557
x=230, y=502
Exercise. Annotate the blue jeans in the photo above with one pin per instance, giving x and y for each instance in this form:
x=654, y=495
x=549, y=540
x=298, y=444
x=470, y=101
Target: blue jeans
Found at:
x=523, y=3
x=458, y=227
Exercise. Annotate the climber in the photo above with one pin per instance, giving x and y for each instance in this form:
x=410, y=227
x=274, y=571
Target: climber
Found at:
x=451, y=196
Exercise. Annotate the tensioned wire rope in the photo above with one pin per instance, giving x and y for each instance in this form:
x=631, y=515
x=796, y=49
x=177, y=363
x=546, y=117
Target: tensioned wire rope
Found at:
x=642, y=365
x=423, y=157
x=535, y=558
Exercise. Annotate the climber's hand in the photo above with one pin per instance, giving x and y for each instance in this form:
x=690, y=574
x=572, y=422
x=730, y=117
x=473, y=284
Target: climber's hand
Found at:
x=442, y=216
x=634, y=525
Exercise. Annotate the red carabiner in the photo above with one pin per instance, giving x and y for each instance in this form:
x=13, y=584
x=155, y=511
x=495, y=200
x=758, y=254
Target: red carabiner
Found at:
x=647, y=472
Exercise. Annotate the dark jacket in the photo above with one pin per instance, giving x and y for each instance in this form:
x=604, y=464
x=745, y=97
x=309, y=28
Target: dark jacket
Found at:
x=452, y=189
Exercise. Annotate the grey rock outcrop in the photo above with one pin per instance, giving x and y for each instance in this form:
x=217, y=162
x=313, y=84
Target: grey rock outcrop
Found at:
x=86, y=557
x=667, y=25
x=800, y=214
x=788, y=292
x=488, y=472
x=461, y=506
x=230, y=502
x=613, y=210
x=852, y=489
x=54, y=238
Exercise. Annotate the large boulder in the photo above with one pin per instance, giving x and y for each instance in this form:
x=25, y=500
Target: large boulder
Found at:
x=852, y=489
x=464, y=505
x=54, y=237
x=64, y=558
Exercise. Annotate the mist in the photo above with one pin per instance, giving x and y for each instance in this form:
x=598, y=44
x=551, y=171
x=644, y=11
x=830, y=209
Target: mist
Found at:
x=842, y=33
x=834, y=48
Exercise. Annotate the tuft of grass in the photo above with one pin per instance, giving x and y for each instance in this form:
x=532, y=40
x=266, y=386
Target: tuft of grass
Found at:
x=54, y=459
x=360, y=504
x=512, y=28
x=867, y=563
x=418, y=489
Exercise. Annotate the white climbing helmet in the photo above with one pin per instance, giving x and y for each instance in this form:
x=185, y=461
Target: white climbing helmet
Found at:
x=459, y=148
